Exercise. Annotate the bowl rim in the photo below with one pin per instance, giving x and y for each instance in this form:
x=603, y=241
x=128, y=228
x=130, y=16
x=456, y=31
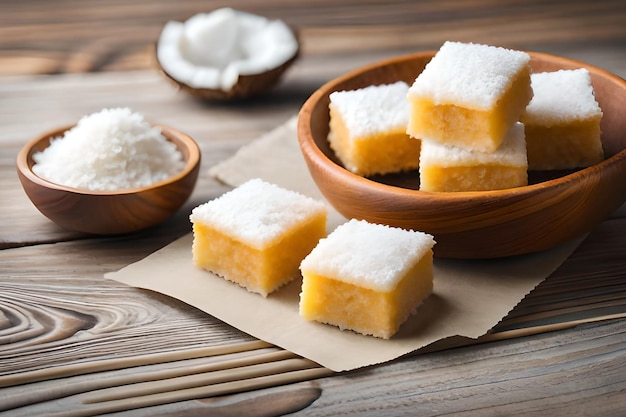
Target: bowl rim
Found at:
x=317, y=156
x=24, y=157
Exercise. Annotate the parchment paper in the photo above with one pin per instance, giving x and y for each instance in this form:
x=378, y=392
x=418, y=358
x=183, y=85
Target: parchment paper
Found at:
x=469, y=297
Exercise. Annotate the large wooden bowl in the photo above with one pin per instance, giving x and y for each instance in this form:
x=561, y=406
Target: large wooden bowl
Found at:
x=554, y=208
x=109, y=213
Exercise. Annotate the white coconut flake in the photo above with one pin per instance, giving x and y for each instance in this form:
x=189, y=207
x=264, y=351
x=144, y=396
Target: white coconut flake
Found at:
x=211, y=50
x=468, y=74
x=257, y=212
x=368, y=255
x=560, y=97
x=169, y=53
x=373, y=109
x=112, y=150
x=211, y=39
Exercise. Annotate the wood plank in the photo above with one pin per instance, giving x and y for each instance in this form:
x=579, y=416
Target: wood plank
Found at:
x=105, y=321
x=576, y=372
x=57, y=36
x=53, y=304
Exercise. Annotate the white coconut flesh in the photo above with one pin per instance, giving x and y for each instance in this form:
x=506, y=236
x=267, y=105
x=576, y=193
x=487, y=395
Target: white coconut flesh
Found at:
x=211, y=50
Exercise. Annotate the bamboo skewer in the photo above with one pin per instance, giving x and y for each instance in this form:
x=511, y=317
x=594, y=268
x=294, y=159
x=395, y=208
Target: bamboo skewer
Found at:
x=176, y=395
x=140, y=379
x=121, y=363
x=220, y=373
x=204, y=380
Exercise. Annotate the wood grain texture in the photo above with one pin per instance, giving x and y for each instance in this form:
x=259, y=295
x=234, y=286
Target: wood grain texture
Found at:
x=39, y=36
x=69, y=317
x=73, y=317
x=545, y=375
x=61, y=59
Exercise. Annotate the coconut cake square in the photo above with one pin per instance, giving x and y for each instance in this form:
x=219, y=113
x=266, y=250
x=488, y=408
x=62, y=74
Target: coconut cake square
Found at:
x=367, y=277
x=445, y=168
x=368, y=129
x=257, y=234
x=562, y=121
x=469, y=95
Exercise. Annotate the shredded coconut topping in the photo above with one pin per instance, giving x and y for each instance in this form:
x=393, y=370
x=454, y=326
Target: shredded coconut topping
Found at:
x=373, y=109
x=469, y=74
x=561, y=96
x=112, y=150
x=257, y=212
x=368, y=255
x=511, y=152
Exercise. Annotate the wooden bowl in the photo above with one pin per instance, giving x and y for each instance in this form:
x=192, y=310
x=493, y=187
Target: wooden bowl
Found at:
x=554, y=208
x=112, y=212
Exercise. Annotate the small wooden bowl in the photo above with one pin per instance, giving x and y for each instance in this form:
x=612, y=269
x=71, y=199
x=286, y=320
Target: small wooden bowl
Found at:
x=113, y=212
x=554, y=208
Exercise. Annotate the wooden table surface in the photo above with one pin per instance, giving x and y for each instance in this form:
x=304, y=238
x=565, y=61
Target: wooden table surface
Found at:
x=74, y=334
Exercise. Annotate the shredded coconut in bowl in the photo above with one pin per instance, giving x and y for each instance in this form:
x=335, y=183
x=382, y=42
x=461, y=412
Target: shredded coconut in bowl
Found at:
x=112, y=150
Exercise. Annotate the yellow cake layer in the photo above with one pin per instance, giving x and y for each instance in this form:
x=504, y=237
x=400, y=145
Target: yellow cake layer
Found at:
x=258, y=270
x=480, y=129
x=471, y=178
x=329, y=300
x=449, y=168
x=573, y=145
x=562, y=121
x=379, y=153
